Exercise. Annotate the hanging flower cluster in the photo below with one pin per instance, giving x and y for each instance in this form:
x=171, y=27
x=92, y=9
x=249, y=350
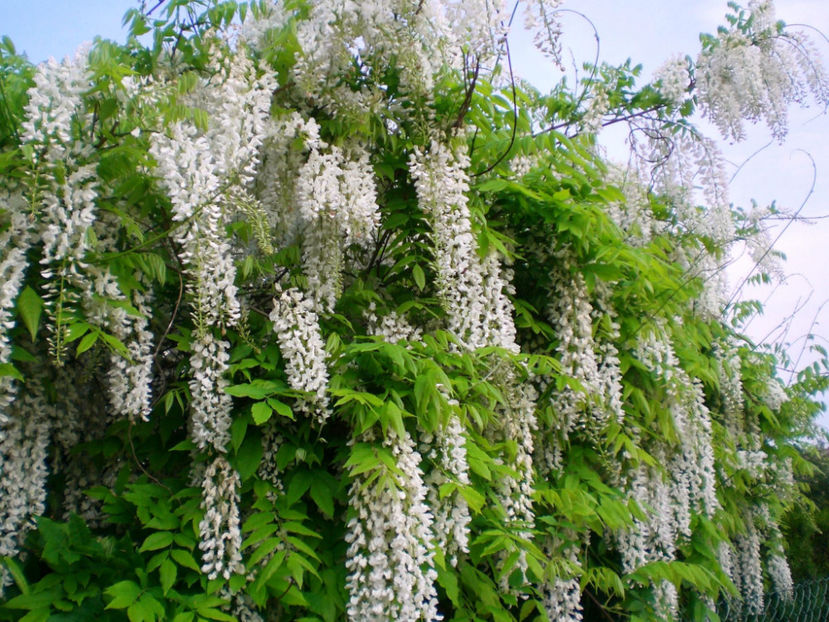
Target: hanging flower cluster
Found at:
x=562, y=596
x=755, y=70
x=502, y=367
x=451, y=514
x=297, y=329
x=24, y=445
x=221, y=537
x=14, y=243
x=473, y=294
x=390, y=559
x=335, y=196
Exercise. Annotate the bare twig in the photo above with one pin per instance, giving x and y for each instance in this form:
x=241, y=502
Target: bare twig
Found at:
x=514, y=116
x=782, y=231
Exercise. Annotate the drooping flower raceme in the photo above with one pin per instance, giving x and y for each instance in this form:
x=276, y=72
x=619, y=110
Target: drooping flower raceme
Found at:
x=296, y=325
x=335, y=195
x=391, y=572
x=209, y=404
x=541, y=17
x=471, y=290
x=14, y=242
x=24, y=444
x=754, y=71
x=219, y=530
x=562, y=594
x=451, y=513
x=478, y=312
x=674, y=80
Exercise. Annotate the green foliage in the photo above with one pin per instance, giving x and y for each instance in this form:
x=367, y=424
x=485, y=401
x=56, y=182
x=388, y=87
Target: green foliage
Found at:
x=135, y=554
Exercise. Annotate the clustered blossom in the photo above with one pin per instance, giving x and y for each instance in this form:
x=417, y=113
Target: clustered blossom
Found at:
x=278, y=179
x=562, y=600
x=760, y=246
x=562, y=595
x=199, y=168
x=66, y=206
x=335, y=196
x=130, y=380
x=468, y=287
x=778, y=567
x=754, y=73
x=692, y=465
x=473, y=294
x=688, y=165
x=391, y=572
x=392, y=327
x=209, y=404
x=209, y=175
x=14, y=243
x=631, y=212
x=268, y=470
x=747, y=573
x=53, y=103
x=687, y=484
x=730, y=377
x=451, y=513
x=241, y=607
x=592, y=362
x=24, y=445
x=674, y=80
x=67, y=216
x=653, y=539
x=186, y=167
x=219, y=531
x=381, y=32
x=296, y=325
x=479, y=25
x=540, y=16
x=598, y=104
x=322, y=195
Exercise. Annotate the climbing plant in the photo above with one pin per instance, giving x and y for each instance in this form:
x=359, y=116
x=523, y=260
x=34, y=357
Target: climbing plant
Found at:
x=313, y=310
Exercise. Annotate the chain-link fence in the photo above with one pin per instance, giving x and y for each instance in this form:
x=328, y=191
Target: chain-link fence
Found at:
x=807, y=602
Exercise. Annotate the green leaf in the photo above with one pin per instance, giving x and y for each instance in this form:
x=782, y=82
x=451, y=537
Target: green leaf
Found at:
x=123, y=593
x=116, y=344
x=257, y=389
x=473, y=498
x=156, y=541
x=419, y=277
x=249, y=455
x=185, y=559
x=215, y=614
x=30, y=306
x=321, y=494
x=76, y=330
x=35, y=600
x=237, y=432
x=167, y=572
x=88, y=341
x=281, y=408
x=261, y=412
x=17, y=574
x=7, y=369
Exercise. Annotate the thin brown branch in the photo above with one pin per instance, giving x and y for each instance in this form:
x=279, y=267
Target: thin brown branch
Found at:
x=514, y=115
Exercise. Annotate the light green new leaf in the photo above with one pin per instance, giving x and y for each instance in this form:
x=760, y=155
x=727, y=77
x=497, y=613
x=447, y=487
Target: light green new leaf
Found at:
x=30, y=306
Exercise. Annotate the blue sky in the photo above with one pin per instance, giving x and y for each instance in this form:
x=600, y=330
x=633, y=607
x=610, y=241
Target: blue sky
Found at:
x=648, y=31
x=44, y=28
